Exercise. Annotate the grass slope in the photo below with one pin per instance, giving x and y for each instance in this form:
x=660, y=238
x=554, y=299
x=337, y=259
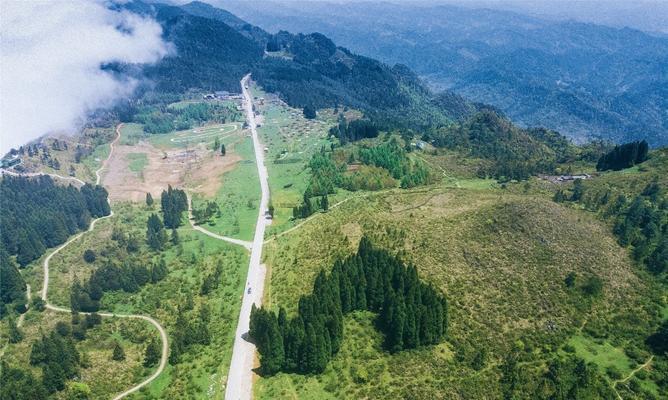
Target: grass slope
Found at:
x=501, y=259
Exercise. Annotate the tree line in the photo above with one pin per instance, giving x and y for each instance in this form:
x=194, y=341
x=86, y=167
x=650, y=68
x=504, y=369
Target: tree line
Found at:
x=514, y=153
x=410, y=312
x=640, y=222
x=12, y=285
x=384, y=165
x=128, y=276
x=623, y=156
x=354, y=130
x=37, y=214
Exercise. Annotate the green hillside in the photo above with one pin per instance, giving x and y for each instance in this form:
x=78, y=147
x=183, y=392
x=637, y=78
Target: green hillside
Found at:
x=502, y=260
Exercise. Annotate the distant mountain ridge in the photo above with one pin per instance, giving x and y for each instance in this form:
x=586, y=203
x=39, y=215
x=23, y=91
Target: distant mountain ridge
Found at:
x=584, y=80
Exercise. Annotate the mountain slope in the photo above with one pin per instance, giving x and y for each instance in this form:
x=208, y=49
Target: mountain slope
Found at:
x=309, y=70
x=583, y=80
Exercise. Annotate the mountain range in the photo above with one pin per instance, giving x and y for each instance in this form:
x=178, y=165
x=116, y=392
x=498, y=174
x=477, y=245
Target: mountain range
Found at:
x=586, y=81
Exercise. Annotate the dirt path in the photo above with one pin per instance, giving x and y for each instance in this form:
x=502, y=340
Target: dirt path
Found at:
x=111, y=151
x=643, y=366
x=240, y=376
x=45, y=290
x=198, y=228
x=33, y=174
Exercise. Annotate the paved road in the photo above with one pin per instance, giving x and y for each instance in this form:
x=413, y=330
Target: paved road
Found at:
x=240, y=376
x=198, y=228
x=45, y=290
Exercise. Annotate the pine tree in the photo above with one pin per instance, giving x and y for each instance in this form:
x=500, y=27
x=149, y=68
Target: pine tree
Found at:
x=149, y=199
x=222, y=149
x=324, y=203
x=175, y=237
x=151, y=354
x=118, y=354
x=155, y=233
x=14, y=333
x=159, y=271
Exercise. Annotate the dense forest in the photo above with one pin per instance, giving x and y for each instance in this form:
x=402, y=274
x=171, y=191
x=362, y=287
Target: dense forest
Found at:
x=624, y=156
x=516, y=153
x=36, y=214
x=354, y=130
x=215, y=50
x=374, y=167
x=410, y=312
x=12, y=285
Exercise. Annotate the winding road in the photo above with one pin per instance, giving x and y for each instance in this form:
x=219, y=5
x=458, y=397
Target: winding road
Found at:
x=240, y=376
x=198, y=228
x=33, y=174
x=45, y=286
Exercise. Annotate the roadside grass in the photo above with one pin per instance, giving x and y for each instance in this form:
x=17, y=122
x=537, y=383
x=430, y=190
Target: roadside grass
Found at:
x=291, y=140
x=500, y=258
x=94, y=161
x=202, y=368
x=103, y=376
x=238, y=196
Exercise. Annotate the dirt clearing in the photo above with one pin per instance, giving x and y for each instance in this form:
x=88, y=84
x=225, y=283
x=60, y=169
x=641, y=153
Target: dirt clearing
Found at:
x=196, y=168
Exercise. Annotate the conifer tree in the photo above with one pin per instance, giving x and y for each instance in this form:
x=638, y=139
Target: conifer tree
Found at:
x=155, y=233
x=151, y=354
x=118, y=354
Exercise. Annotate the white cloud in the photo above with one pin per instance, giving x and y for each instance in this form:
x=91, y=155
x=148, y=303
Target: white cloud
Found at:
x=51, y=54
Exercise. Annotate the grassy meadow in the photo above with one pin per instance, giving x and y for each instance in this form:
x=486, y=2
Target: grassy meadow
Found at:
x=501, y=259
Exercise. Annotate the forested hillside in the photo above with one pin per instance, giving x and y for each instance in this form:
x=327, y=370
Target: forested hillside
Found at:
x=581, y=79
x=305, y=70
x=37, y=214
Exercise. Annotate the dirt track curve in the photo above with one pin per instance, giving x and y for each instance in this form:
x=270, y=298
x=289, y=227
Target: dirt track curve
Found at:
x=45, y=287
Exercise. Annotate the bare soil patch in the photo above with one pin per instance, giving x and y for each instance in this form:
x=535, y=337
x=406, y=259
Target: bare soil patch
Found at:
x=197, y=168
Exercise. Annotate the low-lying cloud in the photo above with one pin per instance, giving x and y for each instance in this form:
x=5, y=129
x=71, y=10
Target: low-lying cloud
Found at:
x=51, y=57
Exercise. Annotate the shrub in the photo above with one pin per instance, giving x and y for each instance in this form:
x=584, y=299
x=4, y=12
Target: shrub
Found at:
x=89, y=256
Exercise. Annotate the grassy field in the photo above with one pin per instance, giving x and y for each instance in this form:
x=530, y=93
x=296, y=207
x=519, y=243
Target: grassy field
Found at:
x=138, y=161
x=202, y=368
x=501, y=258
x=131, y=134
x=238, y=196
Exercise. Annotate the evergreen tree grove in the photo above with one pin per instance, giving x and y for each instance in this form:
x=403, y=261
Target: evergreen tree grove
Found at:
x=174, y=202
x=410, y=312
